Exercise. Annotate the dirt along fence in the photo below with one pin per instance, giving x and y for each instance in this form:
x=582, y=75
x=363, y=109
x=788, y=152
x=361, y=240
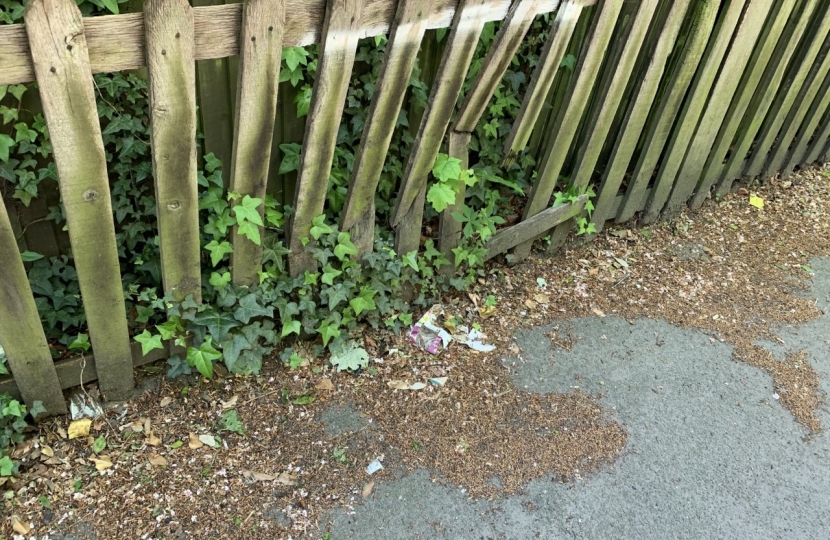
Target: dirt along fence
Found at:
x=665, y=104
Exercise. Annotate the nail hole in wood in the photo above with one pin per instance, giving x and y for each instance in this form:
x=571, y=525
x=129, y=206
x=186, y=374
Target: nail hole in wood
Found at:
x=69, y=47
x=253, y=38
x=163, y=52
x=270, y=28
x=178, y=35
x=53, y=70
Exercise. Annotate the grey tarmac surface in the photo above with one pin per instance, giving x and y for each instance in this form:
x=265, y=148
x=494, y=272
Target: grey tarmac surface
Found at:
x=711, y=452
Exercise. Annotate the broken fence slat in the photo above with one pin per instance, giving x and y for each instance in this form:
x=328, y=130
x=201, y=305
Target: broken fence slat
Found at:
x=56, y=37
x=263, y=25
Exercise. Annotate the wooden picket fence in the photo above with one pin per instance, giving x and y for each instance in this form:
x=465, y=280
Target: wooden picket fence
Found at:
x=669, y=103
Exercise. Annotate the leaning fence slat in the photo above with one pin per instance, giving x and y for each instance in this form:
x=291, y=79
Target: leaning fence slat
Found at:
x=568, y=120
x=449, y=228
x=808, y=130
x=533, y=227
x=461, y=44
x=389, y=93
x=768, y=92
x=56, y=37
x=21, y=333
x=495, y=64
x=542, y=79
x=814, y=151
x=263, y=24
x=776, y=162
x=341, y=32
x=715, y=111
x=620, y=66
x=670, y=174
x=636, y=117
x=748, y=87
x=681, y=77
x=172, y=83
x=787, y=99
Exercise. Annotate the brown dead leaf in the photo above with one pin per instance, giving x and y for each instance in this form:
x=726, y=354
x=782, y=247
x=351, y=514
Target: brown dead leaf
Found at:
x=367, y=489
x=20, y=526
x=230, y=404
x=153, y=440
x=263, y=477
x=542, y=299
x=194, y=442
x=287, y=479
x=158, y=460
x=166, y=401
x=598, y=312
x=530, y=304
x=47, y=451
x=79, y=428
x=370, y=342
x=485, y=312
x=324, y=384
x=61, y=432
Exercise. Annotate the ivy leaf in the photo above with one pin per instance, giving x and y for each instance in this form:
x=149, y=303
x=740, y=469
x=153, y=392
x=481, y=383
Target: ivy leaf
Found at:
x=290, y=327
x=328, y=329
x=349, y=356
x=149, y=342
x=310, y=278
x=294, y=56
x=411, y=260
x=81, y=343
x=6, y=143
x=290, y=157
x=212, y=162
x=568, y=62
x=250, y=308
x=319, y=227
x=220, y=281
x=170, y=328
x=144, y=313
x=7, y=466
x=218, y=323
x=232, y=348
x=441, y=196
x=218, y=250
x=29, y=256
x=335, y=295
x=364, y=301
x=111, y=5
x=344, y=246
x=177, y=367
x=446, y=168
x=248, y=210
x=329, y=273
x=203, y=357
x=250, y=231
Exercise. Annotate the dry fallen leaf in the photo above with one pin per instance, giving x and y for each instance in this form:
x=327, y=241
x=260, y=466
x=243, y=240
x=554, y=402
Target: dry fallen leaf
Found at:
x=287, y=479
x=194, y=442
x=231, y=403
x=324, y=384
x=398, y=385
x=485, y=312
x=263, y=477
x=530, y=304
x=166, y=401
x=208, y=440
x=153, y=440
x=102, y=463
x=541, y=298
x=367, y=489
x=19, y=526
x=598, y=312
x=158, y=460
x=79, y=428
x=47, y=451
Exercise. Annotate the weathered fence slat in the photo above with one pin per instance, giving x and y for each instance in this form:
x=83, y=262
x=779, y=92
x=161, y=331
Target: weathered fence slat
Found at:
x=610, y=93
x=172, y=85
x=533, y=227
x=814, y=151
x=712, y=116
x=461, y=44
x=495, y=64
x=680, y=75
x=449, y=229
x=567, y=122
x=804, y=103
x=21, y=333
x=263, y=24
x=808, y=130
x=670, y=174
x=390, y=90
x=341, y=32
x=758, y=64
x=636, y=117
x=763, y=99
x=785, y=101
x=59, y=52
x=542, y=79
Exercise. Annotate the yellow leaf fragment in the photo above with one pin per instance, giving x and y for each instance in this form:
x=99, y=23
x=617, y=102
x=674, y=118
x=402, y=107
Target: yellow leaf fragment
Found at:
x=79, y=428
x=194, y=442
x=20, y=526
x=158, y=460
x=102, y=463
x=756, y=201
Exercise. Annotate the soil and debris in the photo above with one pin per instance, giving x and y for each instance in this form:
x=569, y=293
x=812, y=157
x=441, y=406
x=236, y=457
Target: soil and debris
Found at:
x=265, y=456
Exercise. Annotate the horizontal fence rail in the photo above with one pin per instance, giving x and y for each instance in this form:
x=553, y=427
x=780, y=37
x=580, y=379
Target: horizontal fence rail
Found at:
x=665, y=105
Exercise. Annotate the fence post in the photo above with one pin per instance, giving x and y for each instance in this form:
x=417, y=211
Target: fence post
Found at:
x=171, y=69
x=21, y=333
x=59, y=52
x=263, y=24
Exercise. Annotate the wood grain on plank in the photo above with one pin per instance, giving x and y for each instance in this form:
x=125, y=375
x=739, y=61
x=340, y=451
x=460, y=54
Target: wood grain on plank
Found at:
x=764, y=98
x=263, y=25
x=622, y=59
x=21, y=333
x=690, y=176
x=406, y=35
x=337, y=53
x=636, y=117
x=814, y=151
x=542, y=78
x=58, y=45
x=172, y=86
x=809, y=130
x=567, y=122
x=780, y=110
x=116, y=42
x=461, y=44
x=671, y=169
x=749, y=86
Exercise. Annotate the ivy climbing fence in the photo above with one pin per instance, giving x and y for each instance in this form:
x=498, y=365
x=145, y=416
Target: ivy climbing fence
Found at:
x=668, y=103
